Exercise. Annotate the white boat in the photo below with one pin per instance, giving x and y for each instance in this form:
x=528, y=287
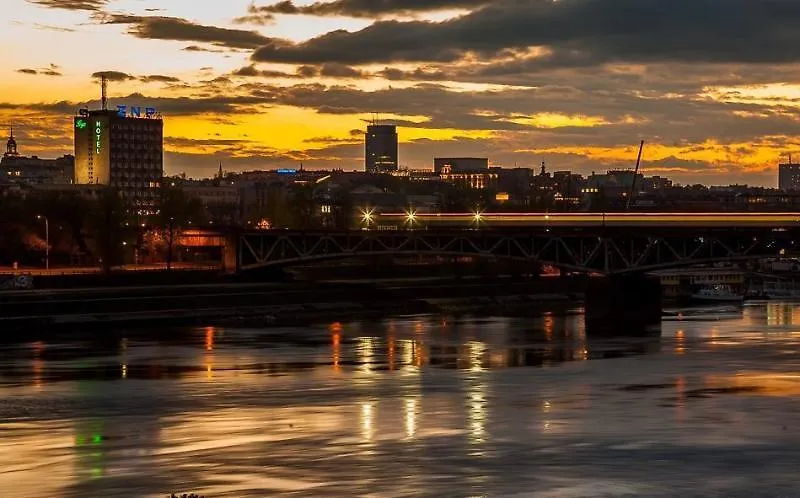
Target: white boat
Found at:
x=717, y=294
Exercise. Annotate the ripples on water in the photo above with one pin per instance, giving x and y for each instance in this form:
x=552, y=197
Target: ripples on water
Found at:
x=417, y=406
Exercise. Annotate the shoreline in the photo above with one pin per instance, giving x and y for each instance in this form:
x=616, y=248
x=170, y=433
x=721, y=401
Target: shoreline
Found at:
x=275, y=304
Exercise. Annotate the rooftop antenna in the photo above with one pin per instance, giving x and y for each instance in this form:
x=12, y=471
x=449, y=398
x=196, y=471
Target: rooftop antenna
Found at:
x=635, y=174
x=104, y=92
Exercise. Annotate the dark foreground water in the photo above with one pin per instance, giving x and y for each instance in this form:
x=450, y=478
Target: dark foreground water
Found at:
x=420, y=406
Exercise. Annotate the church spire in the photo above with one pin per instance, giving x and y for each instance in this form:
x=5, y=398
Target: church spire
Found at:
x=11, y=145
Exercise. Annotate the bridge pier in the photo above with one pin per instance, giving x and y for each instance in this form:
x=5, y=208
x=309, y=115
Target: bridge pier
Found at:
x=623, y=304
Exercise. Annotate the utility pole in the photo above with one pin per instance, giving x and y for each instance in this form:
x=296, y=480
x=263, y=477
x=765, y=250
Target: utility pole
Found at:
x=47, y=240
x=104, y=92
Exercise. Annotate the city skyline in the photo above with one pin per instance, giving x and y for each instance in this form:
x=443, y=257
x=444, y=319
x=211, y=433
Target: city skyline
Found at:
x=575, y=83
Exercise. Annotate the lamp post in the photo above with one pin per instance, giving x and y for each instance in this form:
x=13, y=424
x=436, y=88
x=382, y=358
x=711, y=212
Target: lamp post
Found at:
x=47, y=239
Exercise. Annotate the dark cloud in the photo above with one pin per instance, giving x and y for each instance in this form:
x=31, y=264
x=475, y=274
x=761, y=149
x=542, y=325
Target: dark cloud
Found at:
x=90, y=5
x=173, y=28
x=331, y=70
x=359, y=8
x=197, y=48
x=113, y=76
x=574, y=33
x=159, y=78
x=52, y=70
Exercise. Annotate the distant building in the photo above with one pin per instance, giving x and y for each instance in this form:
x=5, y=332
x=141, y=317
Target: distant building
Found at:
x=789, y=177
x=22, y=170
x=382, y=150
x=121, y=150
x=451, y=165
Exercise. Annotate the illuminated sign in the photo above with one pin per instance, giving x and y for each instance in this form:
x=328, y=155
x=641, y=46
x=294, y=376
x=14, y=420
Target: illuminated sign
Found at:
x=124, y=111
x=81, y=124
x=98, y=130
x=287, y=171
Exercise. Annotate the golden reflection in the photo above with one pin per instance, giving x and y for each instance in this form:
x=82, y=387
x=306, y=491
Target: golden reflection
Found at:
x=714, y=336
x=477, y=411
x=336, y=328
x=391, y=354
x=210, y=331
x=758, y=383
x=366, y=350
x=410, y=417
x=549, y=321
x=408, y=350
x=209, y=360
x=367, y=421
x=124, y=371
x=680, y=342
x=419, y=327
x=418, y=354
x=336, y=351
x=477, y=350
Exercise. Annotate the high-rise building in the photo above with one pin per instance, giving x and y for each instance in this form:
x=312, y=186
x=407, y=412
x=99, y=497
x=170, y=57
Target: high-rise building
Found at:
x=123, y=150
x=789, y=177
x=381, y=149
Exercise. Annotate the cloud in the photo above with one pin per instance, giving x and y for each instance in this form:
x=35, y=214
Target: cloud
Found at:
x=572, y=33
x=113, y=76
x=330, y=70
x=90, y=5
x=159, y=78
x=358, y=8
x=52, y=70
x=174, y=28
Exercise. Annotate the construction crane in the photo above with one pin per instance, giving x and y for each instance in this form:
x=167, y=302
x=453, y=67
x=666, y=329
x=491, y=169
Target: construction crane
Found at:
x=632, y=195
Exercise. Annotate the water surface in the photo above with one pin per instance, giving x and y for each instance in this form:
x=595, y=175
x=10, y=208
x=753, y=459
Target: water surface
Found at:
x=415, y=406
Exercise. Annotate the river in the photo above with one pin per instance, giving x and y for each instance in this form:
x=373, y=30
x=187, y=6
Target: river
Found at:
x=412, y=406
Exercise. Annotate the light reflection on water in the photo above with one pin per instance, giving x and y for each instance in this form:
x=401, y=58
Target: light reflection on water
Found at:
x=421, y=406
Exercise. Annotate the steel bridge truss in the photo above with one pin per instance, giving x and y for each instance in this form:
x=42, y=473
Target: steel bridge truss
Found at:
x=608, y=252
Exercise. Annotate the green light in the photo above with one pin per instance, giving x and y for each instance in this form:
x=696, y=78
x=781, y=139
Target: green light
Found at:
x=97, y=439
x=81, y=124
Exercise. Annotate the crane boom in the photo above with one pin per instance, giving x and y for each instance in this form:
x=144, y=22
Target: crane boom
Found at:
x=635, y=176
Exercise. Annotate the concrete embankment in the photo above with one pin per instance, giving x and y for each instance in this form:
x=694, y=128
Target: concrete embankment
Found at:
x=264, y=304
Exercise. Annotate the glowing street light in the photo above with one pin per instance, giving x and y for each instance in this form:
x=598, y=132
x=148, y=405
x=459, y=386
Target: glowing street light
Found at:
x=411, y=217
x=477, y=217
x=367, y=216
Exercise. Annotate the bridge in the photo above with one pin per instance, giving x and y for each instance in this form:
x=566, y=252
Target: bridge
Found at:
x=609, y=244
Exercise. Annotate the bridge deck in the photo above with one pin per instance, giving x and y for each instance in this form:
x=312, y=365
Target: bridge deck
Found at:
x=578, y=220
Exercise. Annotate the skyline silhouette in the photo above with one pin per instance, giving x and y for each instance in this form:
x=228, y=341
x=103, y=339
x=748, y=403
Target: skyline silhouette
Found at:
x=575, y=83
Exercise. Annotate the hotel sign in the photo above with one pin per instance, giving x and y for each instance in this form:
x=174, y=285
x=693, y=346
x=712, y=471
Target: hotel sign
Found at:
x=124, y=111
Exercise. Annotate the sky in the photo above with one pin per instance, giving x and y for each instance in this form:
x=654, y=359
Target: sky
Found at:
x=711, y=86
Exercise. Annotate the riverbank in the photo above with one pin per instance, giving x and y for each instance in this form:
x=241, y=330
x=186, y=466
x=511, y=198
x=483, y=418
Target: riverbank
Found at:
x=275, y=303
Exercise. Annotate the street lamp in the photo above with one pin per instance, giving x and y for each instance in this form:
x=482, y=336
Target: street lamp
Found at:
x=47, y=239
x=367, y=216
x=411, y=217
x=477, y=216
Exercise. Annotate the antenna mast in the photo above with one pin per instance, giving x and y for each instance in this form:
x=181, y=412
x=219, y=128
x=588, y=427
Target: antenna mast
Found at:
x=104, y=92
x=635, y=174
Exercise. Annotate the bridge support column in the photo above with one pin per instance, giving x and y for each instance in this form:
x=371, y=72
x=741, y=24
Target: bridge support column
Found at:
x=623, y=305
x=230, y=253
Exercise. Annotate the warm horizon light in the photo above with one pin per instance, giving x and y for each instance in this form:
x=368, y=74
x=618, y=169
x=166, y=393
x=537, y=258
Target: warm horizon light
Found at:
x=262, y=86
